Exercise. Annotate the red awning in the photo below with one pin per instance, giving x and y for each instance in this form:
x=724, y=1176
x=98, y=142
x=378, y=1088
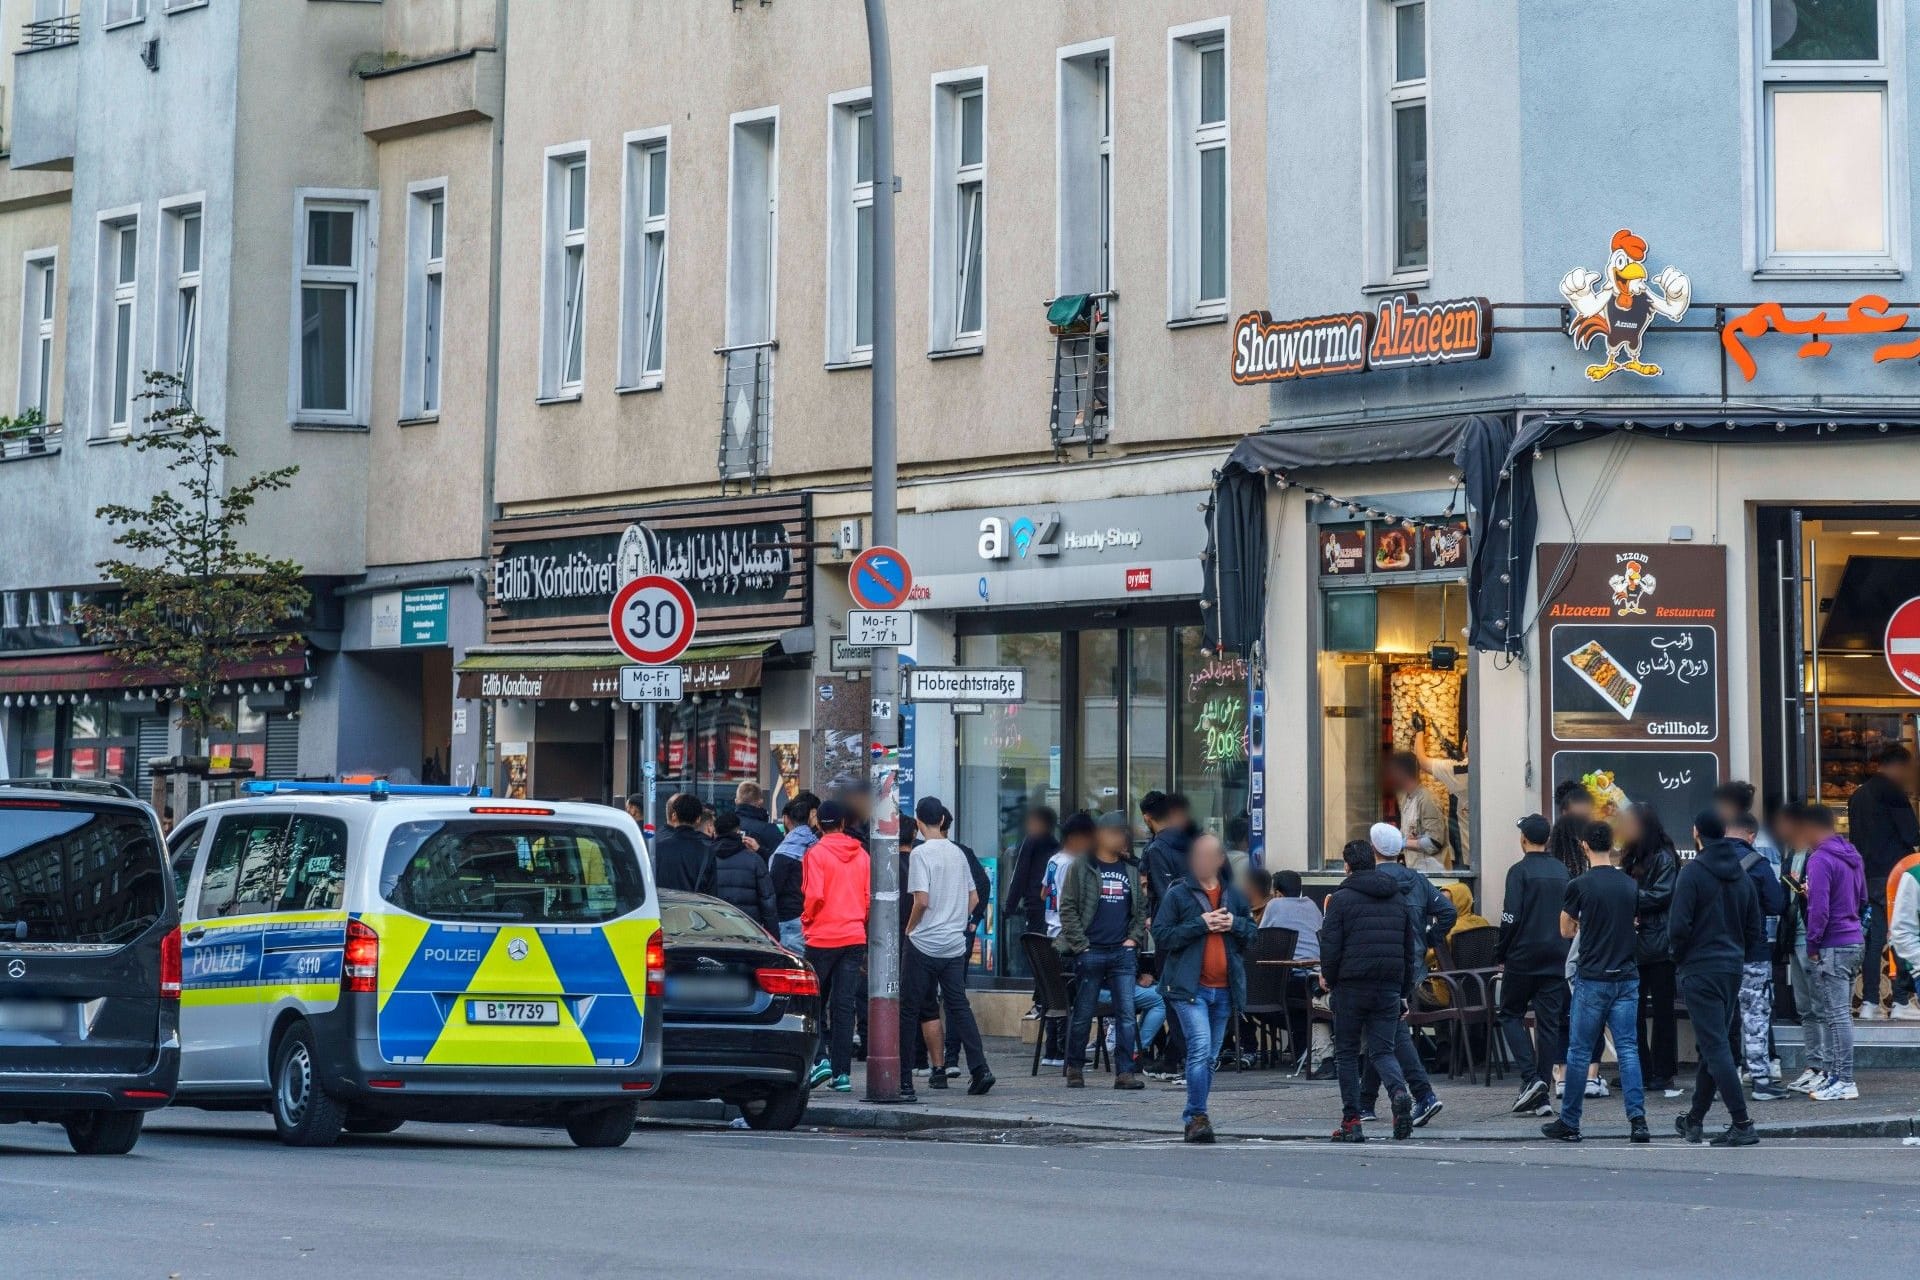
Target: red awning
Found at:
x=102, y=672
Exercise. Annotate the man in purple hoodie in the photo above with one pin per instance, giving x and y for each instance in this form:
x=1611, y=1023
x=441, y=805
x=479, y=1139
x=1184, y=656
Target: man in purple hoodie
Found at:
x=1836, y=895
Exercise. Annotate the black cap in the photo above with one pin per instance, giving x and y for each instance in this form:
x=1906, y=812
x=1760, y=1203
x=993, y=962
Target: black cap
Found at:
x=830, y=812
x=1534, y=828
x=929, y=810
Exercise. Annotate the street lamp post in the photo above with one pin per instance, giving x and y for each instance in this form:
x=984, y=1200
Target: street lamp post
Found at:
x=883, y=929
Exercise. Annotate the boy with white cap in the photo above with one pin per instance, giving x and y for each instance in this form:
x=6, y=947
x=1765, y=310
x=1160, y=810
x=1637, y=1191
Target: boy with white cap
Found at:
x=1433, y=915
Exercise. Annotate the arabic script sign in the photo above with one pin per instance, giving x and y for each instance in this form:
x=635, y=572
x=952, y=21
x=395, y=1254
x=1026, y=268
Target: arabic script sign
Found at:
x=1867, y=314
x=553, y=577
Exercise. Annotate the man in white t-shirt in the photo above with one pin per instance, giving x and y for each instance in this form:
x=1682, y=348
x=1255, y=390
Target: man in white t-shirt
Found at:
x=934, y=957
x=1076, y=841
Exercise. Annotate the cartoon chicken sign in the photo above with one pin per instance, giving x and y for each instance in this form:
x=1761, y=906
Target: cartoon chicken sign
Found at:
x=1630, y=586
x=1617, y=309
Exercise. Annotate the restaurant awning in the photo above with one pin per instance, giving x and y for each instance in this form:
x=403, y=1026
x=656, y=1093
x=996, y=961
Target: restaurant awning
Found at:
x=540, y=675
x=75, y=677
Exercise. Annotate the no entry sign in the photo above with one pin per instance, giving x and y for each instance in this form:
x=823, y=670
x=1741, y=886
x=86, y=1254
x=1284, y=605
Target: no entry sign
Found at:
x=879, y=578
x=1903, y=645
x=652, y=619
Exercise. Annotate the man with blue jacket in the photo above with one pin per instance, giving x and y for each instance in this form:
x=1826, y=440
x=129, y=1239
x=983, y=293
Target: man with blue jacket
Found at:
x=1201, y=928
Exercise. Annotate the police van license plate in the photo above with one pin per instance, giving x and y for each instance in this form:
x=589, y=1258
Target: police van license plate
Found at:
x=537, y=1013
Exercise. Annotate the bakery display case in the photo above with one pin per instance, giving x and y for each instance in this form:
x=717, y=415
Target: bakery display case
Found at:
x=1849, y=736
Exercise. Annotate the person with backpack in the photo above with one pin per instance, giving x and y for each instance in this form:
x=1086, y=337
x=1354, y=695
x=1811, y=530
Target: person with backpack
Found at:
x=1756, y=974
x=1714, y=924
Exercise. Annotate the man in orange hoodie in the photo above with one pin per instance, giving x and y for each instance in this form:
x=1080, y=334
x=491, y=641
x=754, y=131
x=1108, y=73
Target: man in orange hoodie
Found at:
x=835, y=882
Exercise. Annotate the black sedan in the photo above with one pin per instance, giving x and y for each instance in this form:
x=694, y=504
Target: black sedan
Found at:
x=743, y=1013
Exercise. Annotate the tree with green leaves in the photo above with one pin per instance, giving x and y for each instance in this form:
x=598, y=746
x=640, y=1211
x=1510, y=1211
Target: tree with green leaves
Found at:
x=192, y=600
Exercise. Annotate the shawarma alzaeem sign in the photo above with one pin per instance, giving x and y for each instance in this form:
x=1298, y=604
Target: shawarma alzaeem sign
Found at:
x=1402, y=333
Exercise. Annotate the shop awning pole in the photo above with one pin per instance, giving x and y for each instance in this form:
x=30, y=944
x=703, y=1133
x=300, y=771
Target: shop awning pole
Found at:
x=883, y=931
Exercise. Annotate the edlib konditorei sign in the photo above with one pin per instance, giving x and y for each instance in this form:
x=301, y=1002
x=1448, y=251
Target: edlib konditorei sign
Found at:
x=1402, y=333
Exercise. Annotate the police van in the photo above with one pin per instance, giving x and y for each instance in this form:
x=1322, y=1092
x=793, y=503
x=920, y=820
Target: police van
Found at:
x=357, y=956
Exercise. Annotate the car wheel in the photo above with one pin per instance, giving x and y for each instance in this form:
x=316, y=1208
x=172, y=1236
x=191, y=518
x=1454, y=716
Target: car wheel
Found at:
x=367, y=1122
x=105, y=1133
x=305, y=1113
x=779, y=1110
x=603, y=1126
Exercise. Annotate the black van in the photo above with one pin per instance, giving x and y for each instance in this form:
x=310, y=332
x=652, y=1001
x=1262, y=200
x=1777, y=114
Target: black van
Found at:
x=89, y=965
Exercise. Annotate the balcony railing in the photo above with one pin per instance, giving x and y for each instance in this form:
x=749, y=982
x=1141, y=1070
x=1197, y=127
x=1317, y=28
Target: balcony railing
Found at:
x=746, y=412
x=51, y=33
x=1082, y=372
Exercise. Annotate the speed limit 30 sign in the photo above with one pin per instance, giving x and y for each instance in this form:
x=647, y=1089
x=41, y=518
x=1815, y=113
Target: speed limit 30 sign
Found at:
x=652, y=619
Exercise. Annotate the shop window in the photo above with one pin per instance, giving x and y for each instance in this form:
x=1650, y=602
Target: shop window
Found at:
x=1096, y=759
x=246, y=739
x=709, y=745
x=100, y=744
x=1210, y=742
x=38, y=740
x=1390, y=680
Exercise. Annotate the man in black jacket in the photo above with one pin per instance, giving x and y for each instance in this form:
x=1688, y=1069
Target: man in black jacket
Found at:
x=682, y=856
x=740, y=876
x=1169, y=821
x=1038, y=842
x=1535, y=957
x=1881, y=824
x=750, y=802
x=1714, y=920
x=1367, y=955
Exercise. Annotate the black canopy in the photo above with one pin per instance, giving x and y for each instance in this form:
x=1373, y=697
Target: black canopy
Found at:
x=1479, y=445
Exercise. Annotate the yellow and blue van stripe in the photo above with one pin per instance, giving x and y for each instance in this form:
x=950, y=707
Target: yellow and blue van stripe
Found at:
x=429, y=970
x=264, y=958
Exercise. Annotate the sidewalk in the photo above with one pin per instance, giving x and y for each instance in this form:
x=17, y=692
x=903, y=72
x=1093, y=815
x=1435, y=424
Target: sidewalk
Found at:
x=1274, y=1104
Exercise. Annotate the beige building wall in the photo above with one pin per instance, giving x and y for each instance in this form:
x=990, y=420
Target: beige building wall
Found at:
x=584, y=74
x=34, y=215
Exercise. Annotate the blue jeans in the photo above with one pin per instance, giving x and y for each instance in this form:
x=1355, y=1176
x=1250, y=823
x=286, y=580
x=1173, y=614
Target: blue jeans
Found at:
x=1203, y=1021
x=1616, y=1006
x=1150, y=1007
x=791, y=937
x=1111, y=969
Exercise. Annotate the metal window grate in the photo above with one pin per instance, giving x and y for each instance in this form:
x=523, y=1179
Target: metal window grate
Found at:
x=1082, y=377
x=150, y=744
x=50, y=33
x=746, y=412
x=283, y=745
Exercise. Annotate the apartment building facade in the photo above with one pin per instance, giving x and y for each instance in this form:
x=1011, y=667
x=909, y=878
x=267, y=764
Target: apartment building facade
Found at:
x=684, y=382
x=205, y=187
x=1619, y=497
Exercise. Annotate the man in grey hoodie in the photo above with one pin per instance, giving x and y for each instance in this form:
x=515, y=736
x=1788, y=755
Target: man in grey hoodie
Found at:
x=1714, y=921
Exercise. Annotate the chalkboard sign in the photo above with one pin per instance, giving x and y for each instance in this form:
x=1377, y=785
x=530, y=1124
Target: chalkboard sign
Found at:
x=1633, y=677
x=1678, y=784
x=1629, y=683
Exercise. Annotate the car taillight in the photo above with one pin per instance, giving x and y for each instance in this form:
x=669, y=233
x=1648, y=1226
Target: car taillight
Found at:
x=656, y=967
x=523, y=810
x=170, y=966
x=362, y=972
x=787, y=982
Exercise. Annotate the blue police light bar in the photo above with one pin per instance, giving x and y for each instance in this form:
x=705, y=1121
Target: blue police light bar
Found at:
x=371, y=790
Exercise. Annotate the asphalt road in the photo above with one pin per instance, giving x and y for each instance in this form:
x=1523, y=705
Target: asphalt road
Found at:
x=217, y=1196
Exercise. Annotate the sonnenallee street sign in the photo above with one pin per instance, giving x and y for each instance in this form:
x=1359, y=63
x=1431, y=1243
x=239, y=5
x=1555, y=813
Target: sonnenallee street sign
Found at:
x=966, y=684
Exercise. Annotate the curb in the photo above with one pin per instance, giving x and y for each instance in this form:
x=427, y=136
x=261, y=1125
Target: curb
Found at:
x=908, y=1119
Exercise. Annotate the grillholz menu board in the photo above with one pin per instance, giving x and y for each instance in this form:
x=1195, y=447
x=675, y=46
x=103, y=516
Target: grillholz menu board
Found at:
x=1633, y=675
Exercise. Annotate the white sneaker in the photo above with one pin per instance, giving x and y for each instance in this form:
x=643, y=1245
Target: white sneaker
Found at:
x=1908, y=1012
x=1673, y=1093
x=1808, y=1081
x=1053, y=1062
x=1596, y=1087
x=1559, y=1088
x=1838, y=1091
x=1870, y=1013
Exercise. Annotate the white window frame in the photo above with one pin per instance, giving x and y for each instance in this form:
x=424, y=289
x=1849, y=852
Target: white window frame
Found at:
x=361, y=277
x=39, y=316
x=946, y=213
x=737, y=323
x=847, y=195
x=1187, y=139
x=423, y=346
x=557, y=240
x=645, y=250
x=122, y=13
x=1074, y=65
x=1383, y=95
x=113, y=413
x=1762, y=78
x=176, y=280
